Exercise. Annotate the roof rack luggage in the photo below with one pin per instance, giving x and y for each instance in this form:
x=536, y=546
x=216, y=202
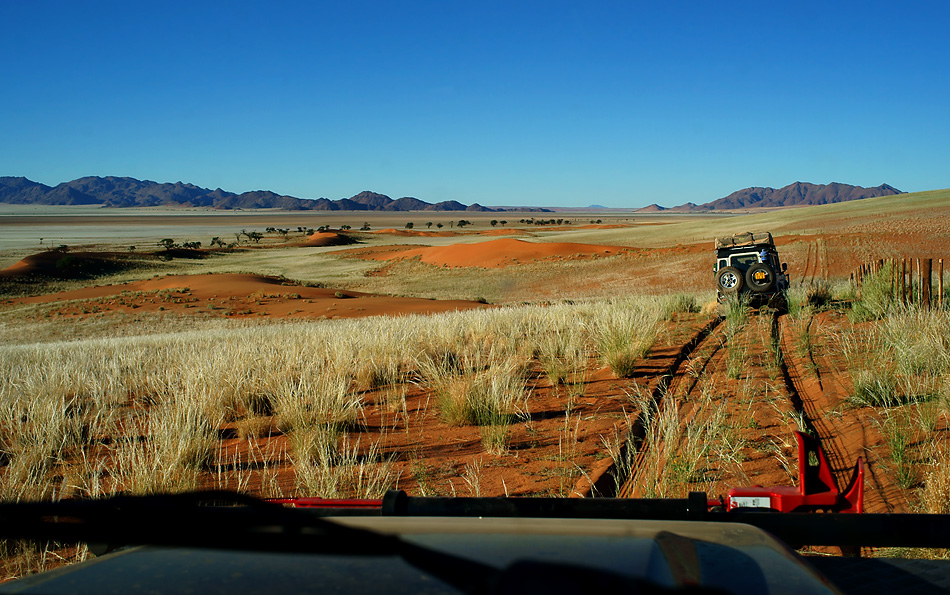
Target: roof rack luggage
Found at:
x=748, y=238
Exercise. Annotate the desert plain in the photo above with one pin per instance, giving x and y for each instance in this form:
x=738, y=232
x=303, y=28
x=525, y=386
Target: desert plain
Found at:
x=575, y=354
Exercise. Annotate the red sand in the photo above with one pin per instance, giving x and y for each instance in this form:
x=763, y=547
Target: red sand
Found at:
x=326, y=238
x=493, y=253
x=414, y=233
x=236, y=295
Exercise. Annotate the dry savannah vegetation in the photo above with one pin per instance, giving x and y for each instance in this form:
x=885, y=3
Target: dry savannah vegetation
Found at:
x=493, y=360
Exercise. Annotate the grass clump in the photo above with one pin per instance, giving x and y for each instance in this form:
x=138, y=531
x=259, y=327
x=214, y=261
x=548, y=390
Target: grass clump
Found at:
x=818, y=295
x=680, y=303
x=877, y=298
x=625, y=336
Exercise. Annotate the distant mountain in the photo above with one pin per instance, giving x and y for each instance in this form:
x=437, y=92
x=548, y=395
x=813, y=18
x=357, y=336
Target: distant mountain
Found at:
x=129, y=192
x=797, y=194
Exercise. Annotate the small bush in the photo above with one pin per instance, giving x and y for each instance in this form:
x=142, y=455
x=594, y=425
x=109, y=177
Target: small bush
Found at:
x=680, y=303
x=877, y=298
x=875, y=389
x=818, y=295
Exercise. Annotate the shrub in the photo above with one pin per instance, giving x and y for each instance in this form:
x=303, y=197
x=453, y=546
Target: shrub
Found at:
x=679, y=303
x=625, y=335
x=818, y=295
x=877, y=298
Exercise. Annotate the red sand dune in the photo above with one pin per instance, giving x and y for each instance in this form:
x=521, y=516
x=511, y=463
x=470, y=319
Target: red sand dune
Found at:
x=327, y=238
x=493, y=253
x=41, y=262
x=413, y=232
x=237, y=295
x=501, y=232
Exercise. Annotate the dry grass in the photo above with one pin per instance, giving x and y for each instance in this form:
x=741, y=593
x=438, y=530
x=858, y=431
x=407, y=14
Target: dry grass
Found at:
x=141, y=414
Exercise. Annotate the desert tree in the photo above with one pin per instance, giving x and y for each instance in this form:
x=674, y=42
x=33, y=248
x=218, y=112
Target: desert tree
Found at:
x=428, y=225
x=409, y=225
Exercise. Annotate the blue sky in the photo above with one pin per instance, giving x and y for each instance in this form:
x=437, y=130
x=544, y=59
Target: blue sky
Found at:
x=548, y=103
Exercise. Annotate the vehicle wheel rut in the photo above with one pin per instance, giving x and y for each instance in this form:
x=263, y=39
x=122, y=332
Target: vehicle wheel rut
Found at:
x=819, y=398
x=666, y=382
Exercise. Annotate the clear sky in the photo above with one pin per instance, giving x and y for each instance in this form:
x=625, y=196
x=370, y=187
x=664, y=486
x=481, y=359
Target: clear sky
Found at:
x=545, y=103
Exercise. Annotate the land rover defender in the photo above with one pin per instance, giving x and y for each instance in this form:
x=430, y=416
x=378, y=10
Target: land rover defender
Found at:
x=748, y=267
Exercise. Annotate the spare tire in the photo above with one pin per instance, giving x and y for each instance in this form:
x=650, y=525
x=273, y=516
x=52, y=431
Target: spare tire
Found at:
x=760, y=277
x=729, y=280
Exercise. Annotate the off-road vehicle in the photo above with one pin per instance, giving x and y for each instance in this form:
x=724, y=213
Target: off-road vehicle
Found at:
x=748, y=267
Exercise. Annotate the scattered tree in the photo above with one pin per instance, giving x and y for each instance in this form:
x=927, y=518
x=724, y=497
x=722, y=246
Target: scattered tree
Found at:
x=409, y=225
x=428, y=226
x=168, y=243
x=494, y=222
x=365, y=226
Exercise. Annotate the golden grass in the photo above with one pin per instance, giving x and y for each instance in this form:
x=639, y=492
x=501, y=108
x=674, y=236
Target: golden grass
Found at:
x=140, y=414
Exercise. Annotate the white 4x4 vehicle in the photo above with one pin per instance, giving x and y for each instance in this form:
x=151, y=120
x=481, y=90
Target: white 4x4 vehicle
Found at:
x=748, y=267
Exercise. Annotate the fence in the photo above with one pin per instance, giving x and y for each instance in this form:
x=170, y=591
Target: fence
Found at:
x=911, y=279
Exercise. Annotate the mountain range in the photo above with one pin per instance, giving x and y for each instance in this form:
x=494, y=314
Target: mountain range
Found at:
x=120, y=192
x=793, y=195
x=129, y=192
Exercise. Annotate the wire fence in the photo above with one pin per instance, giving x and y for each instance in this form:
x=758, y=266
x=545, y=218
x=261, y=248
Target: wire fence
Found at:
x=912, y=280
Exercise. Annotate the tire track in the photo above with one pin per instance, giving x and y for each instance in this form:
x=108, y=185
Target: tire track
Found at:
x=668, y=382
x=844, y=440
x=808, y=264
x=802, y=396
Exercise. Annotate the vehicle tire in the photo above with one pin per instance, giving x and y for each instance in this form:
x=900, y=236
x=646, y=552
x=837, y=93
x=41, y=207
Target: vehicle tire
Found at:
x=760, y=278
x=729, y=280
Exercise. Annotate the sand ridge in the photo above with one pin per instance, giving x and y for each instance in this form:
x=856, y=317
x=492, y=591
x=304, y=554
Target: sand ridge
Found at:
x=240, y=295
x=493, y=253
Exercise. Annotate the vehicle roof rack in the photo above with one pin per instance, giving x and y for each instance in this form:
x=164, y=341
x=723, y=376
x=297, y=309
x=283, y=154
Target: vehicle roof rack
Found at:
x=748, y=238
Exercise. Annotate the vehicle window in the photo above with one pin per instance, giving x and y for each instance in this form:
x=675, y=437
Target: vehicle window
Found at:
x=744, y=260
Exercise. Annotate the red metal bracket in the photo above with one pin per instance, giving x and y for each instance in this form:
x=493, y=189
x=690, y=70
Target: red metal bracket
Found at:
x=816, y=491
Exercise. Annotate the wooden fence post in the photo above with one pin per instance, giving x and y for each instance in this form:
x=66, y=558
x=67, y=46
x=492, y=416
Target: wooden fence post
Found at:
x=926, y=281
x=904, y=281
x=916, y=290
x=940, y=282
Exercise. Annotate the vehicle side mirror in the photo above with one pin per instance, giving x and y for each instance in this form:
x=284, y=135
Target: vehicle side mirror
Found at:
x=784, y=267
